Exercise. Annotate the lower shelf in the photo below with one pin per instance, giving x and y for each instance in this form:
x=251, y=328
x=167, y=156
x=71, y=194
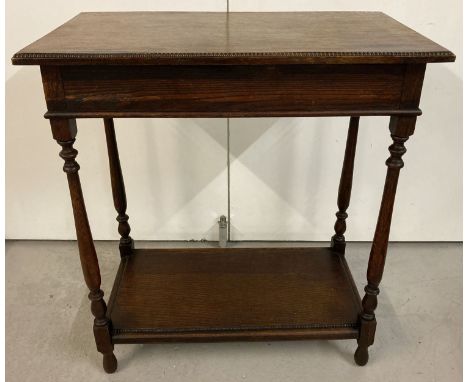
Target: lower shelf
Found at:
x=220, y=294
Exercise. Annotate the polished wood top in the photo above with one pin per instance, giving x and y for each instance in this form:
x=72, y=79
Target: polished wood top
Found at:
x=234, y=38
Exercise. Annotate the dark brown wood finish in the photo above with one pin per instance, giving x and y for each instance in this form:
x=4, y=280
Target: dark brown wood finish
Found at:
x=118, y=189
x=194, y=38
x=346, y=183
x=152, y=64
x=64, y=132
x=225, y=91
x=401, y=128
x=379, y=247
x=223, y=294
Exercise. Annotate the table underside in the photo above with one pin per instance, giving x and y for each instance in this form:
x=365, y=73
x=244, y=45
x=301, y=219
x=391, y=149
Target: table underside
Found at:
x=220, y=294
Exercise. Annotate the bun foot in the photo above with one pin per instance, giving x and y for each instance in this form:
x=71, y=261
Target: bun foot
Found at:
x=361, y=356
x=109, y=363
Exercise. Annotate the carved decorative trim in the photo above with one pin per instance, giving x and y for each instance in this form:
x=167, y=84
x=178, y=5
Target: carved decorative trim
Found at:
x=234, y=329
x=78, y=56
x=68, y=154
x=201, y=114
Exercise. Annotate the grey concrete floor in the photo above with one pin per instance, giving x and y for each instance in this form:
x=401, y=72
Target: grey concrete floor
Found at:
x=419, y=331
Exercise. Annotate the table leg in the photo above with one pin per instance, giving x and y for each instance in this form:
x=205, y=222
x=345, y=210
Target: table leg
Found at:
x=118, y=189
x=401, y=128
x=338, y=242
x=64, y=132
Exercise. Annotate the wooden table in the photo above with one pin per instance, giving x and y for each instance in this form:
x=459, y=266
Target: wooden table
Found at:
x=158, y=64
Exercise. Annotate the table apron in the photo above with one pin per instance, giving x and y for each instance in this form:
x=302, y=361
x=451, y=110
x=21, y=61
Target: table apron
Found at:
x=227, y=91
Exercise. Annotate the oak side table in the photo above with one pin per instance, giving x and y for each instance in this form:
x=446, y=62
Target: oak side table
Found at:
x=164, y=64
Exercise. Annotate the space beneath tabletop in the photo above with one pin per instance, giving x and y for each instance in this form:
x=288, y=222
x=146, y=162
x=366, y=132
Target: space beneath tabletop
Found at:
x=202, y=294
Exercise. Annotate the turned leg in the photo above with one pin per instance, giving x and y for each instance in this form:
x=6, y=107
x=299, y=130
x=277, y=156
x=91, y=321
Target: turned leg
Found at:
x=64, y=132
x=338, y=242
x=401, y=128
x=118, y=189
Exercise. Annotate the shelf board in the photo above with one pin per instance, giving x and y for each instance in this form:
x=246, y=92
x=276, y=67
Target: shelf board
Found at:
x=217, y=294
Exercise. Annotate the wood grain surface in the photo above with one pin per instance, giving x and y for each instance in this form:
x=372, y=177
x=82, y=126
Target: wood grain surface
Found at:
x=234, y=38
x=166, y=64
x=233, y=290
x=176, y=90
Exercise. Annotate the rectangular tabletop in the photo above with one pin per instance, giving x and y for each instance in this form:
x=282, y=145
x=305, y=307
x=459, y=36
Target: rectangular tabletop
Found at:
x=231, y=38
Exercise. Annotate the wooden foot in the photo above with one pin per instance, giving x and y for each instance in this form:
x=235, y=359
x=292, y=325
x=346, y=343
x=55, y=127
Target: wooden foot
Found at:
x=109, y=362
x=361, y=356
x=101, y=329
x=368, y=325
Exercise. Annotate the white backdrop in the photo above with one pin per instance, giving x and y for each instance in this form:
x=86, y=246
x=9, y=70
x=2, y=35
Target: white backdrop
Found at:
x=284, y=171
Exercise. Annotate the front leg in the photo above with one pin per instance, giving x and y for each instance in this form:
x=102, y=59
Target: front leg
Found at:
x=64, y=132
x=401, y=128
